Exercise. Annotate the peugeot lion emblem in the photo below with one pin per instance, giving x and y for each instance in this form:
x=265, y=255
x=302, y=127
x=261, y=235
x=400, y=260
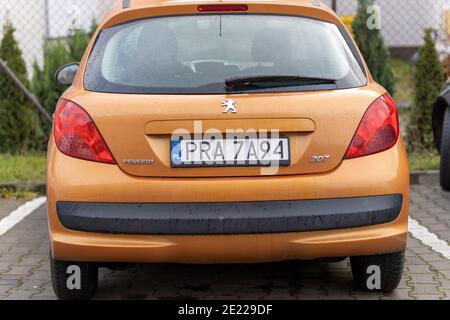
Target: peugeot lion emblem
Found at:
x=229, y=105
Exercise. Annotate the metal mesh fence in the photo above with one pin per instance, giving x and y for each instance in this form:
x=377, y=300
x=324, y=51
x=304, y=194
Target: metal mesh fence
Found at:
x=37, y=20
x=402, y=21
x=402, y=25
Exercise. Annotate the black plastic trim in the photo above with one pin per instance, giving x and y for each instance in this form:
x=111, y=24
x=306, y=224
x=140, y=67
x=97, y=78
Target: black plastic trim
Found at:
x=229, y=218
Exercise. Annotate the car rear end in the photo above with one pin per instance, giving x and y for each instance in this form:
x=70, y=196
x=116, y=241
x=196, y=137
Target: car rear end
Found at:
x=226, y=133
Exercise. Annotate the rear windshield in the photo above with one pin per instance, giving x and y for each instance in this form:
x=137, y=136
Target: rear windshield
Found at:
x=196, y=54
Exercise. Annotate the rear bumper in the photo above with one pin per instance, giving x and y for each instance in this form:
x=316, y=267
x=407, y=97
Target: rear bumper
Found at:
x=229, y=218
x=369, y=177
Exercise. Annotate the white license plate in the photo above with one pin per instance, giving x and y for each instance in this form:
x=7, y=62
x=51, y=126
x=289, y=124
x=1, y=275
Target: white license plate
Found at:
x=229, y=152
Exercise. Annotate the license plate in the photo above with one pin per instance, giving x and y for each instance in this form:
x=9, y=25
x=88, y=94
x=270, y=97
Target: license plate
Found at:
x=230, y=152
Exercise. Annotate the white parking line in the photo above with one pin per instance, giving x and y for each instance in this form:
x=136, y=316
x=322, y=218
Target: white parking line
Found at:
x=428, y=238
x=19, y=214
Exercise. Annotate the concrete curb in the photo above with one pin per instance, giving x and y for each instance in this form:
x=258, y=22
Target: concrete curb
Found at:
x=424, y=177
x=416, y=177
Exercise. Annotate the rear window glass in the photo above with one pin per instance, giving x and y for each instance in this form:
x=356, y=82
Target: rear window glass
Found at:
x=196, y=54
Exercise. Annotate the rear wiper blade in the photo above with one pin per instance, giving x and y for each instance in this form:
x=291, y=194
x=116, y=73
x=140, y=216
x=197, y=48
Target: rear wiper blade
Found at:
x=267, y=81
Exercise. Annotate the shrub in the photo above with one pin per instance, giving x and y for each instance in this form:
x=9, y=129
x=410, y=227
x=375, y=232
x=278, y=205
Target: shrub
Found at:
x=371, y=44
x=78, y=40
x=42, y=83
x=19, y=123
x=429, y=78
x=57, y=54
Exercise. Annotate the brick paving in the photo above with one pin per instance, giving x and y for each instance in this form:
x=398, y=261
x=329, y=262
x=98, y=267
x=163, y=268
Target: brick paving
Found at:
x=24, y=268
x=7, y=206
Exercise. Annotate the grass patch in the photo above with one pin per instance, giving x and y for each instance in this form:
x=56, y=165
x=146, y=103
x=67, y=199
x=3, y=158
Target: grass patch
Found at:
x=22, y=168
x=424, y=161
x=9, y=194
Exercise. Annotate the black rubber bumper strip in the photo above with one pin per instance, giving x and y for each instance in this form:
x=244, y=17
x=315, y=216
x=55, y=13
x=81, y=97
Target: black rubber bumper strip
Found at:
x=229, y=218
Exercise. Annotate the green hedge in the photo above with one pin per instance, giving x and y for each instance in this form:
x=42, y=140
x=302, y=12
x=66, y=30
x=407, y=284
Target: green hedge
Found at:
x=20, y=128
x=429, y=77
x=373, y=48
x=56, y=54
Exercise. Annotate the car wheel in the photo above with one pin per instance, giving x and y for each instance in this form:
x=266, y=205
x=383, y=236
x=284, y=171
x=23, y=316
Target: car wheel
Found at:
x=378, y=273
x=74, y=280
x=445, y=151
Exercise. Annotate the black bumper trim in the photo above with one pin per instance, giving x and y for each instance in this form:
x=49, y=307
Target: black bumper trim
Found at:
x=229, y=218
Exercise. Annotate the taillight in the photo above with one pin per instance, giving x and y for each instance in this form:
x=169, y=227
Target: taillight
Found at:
x=222, y=7
x=77, y=136
x=378, y=130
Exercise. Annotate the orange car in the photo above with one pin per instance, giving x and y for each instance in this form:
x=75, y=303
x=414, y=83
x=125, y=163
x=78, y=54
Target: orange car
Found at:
x=223, y=132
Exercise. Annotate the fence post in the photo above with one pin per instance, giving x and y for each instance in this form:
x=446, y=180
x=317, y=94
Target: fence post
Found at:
x=334, y=5
x=10, y=74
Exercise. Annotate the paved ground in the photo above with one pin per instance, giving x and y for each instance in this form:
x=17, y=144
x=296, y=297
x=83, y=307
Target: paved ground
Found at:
x=24, y=268
x=6, y=206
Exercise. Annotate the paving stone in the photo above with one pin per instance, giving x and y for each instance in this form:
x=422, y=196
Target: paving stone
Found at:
x=422, y=250
x=429, y=297
x=409, y=253
x=423, y=279
x=415, y=269
x=404, y=283
x=415, y=260
x=426, y=289
x=398, y=294
x=18, y=270
x=13, y=277
x=11, y=257
x=434, y=257
x=437, y=227
x=41, y=297
x=20, y=295
x=446, y=292
x=7, y=206
x=9, y=282
x=446, y=273
x=4, y=289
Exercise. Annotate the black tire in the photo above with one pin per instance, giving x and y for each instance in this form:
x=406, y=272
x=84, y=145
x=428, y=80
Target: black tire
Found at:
x=390, y=267
x=445, y=152
x=63, y=270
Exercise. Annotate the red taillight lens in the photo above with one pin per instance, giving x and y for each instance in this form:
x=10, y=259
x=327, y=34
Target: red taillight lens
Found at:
x=222, y=7
x=378, y=130
x=77, y=136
